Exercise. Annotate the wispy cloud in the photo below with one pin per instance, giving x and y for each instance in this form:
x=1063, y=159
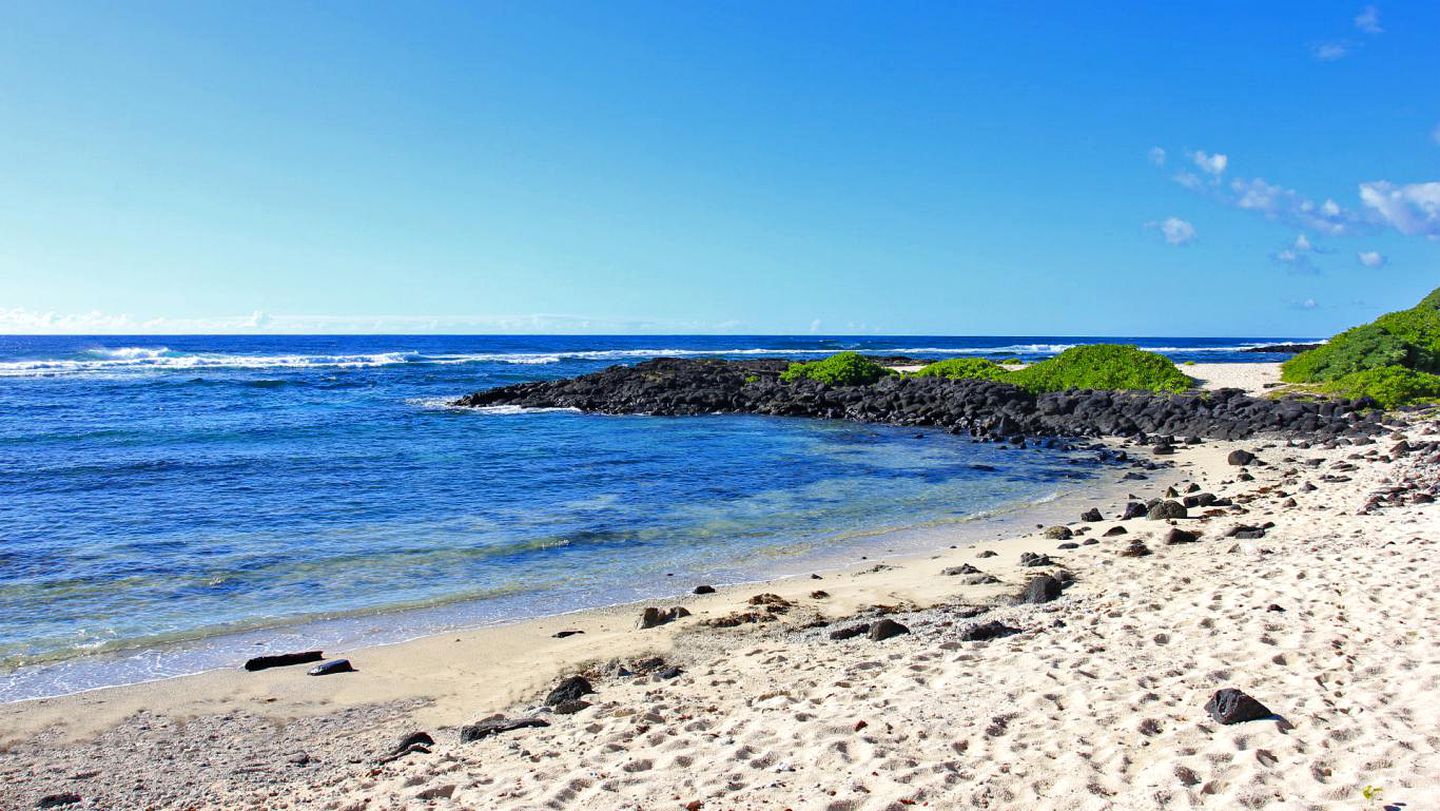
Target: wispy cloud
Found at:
x=1368, y=21
x=1412, y=209
x=1296, y=257
x=1175, y=230
x=1210, y=164
x=1330, y=51
x=1371, y=259
x=1156, y=155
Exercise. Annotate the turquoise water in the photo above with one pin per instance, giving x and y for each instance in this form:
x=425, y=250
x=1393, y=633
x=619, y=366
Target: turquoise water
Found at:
x=173, y=504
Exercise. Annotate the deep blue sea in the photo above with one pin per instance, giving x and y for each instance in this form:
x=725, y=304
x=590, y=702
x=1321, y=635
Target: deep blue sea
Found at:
x=172, y=504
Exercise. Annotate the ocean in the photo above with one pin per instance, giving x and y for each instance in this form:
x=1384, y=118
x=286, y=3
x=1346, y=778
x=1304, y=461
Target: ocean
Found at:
x=175, y=504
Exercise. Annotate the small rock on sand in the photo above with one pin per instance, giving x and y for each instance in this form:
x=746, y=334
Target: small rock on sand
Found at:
x=1231, y=706
x=331, y=667
x=886, y=628
x=1240, y=457
x=1167, y=509
x=981, y=631
x=569, y=689
x=1041, y=589
x=653, y=617
x=496, y=724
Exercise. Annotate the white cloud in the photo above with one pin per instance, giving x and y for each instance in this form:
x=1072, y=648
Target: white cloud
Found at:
x=1175, y=230
x=1330, y=51
x=1371, y=259
x=1308, y=304
x=1369, y=21
x=258, y=319
x=1290, y=207
x=1210, y=164
x=815, y=325
x=1156, y=155
x=1302, y=243
x=1412, y=209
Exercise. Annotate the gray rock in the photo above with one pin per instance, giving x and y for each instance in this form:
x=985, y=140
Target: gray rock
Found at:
x=1231, y=706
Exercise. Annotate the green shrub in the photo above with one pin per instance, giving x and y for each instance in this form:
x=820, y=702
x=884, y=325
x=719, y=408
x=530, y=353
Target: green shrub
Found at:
x=1102, y=366
x=959, y=368
x=1010, y=361
x=843, y=369
x=1408, y=338
x=1389, y=386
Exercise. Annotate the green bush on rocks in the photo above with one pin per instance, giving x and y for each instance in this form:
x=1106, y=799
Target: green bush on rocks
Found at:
x=843, y=369
x=1390, y=386
x=1102, y=366
x=1408, y=339
x=964, y=368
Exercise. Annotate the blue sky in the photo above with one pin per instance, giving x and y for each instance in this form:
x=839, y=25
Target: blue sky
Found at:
x=979, y=168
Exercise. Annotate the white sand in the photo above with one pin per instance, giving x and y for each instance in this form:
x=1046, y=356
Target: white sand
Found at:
x=1096, y=704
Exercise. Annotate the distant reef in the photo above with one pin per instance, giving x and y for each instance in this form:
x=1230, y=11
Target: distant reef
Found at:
x=986, y=409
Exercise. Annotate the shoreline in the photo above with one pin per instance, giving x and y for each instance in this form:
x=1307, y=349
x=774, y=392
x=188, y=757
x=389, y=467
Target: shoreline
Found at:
x=389, y=627
x=924, y=537
x=335, y=728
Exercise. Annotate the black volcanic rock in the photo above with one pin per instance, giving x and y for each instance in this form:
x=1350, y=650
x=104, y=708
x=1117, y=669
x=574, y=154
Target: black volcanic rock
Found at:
x=981, y=408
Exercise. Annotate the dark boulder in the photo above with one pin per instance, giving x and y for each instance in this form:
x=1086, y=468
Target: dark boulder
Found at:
x=1042, y=589
x=850, y=632
x=1091, y=515
x=1166, y=510
x=1115, y=530
x=569, y=689
x=1058, y=533
x=1240, y=458
x=886, y=628
x=1134, y=509
x=1177, y=535
x=1231, y=706
x=331, y=667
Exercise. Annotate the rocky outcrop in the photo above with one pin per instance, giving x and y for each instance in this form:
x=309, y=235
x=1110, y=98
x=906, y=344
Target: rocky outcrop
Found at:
x=983, y=408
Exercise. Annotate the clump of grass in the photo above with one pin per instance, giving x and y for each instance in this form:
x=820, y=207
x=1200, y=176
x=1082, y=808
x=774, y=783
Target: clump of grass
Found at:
x=1103, y=366
x=1010, y=361
x=1408, y=339
x=1390, y=386
x=964, y=368
x=842, y=369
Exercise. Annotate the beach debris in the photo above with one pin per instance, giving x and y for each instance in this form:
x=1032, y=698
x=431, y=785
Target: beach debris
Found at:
x=564, y=634
x=283, y=660
x=886, y=628
x=1068, y=545
x=739, y=618
x=773, y=603
x=496, y=724
x=1134, y=509
x=1032, y=559
x=60, y=800
x=988, y=553
x=704, y=589
x=671, y=672
x=1245, y=532
x=1058, y=533
x=569, y=689
x=570, y=707
x=1166, y=509
x=1041, y=589
x=850, y=632
x=653, y=617
x=819, y=594
x=418, y=742
x=1116, y=530
x=958, y=570
x=1240, y=458
x=1232, y=706
x=982, y=631
x=331, y=667
x=1092, y=515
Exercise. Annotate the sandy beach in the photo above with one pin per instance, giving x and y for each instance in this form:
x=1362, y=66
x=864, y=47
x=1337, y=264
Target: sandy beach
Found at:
x=1319, y=610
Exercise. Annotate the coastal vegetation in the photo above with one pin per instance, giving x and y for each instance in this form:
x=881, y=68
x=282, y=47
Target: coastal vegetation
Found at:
x=960, y=368
x=1097, y=366
x=842, y=369
x=1393, y=360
